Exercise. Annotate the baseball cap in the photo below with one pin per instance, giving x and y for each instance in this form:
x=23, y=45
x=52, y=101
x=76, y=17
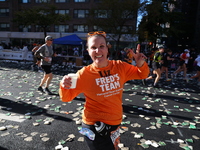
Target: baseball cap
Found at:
x=48, y=37
x=186, y=50
x=160, y=47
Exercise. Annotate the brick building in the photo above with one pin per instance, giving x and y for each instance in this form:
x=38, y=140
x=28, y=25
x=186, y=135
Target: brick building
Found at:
x=78, y=11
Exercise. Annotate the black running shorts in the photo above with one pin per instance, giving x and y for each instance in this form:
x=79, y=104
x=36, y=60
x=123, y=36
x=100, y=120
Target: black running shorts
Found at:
x=46, y=68
x=156, y=65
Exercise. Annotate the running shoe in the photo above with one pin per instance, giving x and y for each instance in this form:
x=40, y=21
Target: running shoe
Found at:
x=187, y=80
x=156, y=86
x=173, y=76
x=168, y=79
x=47, y=91
x=41, y=89
x=39, y=70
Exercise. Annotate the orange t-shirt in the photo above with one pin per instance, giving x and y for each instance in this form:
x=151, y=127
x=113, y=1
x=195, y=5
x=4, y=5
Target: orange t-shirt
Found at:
x=103, y=88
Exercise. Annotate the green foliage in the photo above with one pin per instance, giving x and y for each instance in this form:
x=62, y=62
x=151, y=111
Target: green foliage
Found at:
x=115, y=15
x=43, y=16
x=161, y=20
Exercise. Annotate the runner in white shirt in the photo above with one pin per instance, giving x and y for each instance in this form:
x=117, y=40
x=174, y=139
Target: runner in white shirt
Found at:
x=184, y=57
x=197, y=60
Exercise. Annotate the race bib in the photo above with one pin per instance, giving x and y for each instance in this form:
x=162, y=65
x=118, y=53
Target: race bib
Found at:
x=115, y=136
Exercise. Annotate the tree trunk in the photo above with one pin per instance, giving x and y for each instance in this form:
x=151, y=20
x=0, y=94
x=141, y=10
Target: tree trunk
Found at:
x=117, y=49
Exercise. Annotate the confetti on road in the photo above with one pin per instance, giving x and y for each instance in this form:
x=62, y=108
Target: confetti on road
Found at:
x=28, y=139
x=153, y=117
x=8, y=116
x=3, y=128
x=45, y=139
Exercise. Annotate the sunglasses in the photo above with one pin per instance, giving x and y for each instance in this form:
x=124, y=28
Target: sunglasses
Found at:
x=97, y=32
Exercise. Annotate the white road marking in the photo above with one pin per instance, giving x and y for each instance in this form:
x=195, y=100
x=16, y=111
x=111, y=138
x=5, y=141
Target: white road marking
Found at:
x=179, y=131
x=11, y=118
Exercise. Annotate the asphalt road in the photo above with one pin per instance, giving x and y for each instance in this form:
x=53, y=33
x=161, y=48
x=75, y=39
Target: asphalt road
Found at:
x=165, y=118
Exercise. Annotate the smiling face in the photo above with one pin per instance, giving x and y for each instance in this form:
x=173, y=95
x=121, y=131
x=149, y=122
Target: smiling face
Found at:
x=98, y=50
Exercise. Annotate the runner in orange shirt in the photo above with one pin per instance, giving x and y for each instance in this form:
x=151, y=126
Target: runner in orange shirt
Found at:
x=102, y=84
x=129, y=55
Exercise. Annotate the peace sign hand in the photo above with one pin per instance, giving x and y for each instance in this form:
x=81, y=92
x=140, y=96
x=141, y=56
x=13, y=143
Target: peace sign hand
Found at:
x=139, y=57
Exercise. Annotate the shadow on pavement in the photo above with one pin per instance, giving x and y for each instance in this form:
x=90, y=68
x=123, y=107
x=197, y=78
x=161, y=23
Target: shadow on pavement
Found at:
x=1, y=148
x=16, y=65
x=168, y=97
x=148, y=112
x=23, y=108
x=178, y=84
x=179, y=99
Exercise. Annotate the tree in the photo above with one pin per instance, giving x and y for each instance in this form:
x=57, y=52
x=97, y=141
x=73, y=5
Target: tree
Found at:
x=160, y=20
x=117, y=17
x=41, y=16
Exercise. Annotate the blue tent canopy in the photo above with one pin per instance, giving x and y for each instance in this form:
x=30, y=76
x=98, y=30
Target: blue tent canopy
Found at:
x=68, y=40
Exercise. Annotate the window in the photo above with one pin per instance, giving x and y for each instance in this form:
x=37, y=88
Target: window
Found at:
x=62, y=1
x=127, y=28
x=4, y=27
x=81, y=13
x=42, y=1
x=61, y=28
x=77, y=1
x=171, y=7
x=80, y=28
x=102, y=13
x=63, y=12
x=25, y=1
x=167, y=25
x=4, y=12
x=128, y=14
x=25, y=29
x=39, y=29
x=96, y=28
